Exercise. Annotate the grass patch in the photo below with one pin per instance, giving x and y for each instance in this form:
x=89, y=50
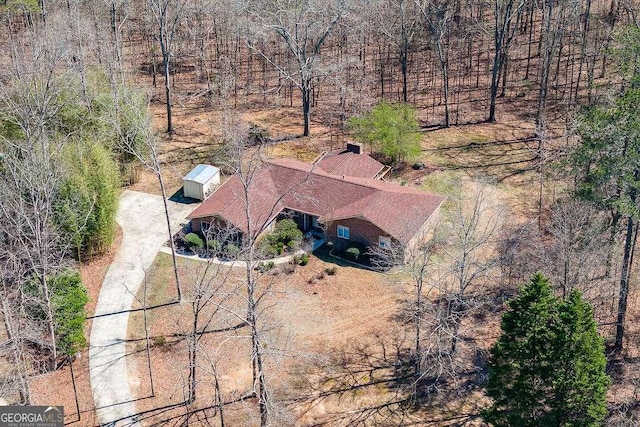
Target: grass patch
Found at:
x=161, y=289
x=160, y=282
x=446, y=183
x=294, y=150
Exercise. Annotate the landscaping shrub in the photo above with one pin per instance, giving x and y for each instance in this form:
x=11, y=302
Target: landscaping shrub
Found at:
x=279, y=248
x=287, y=232
x=265, y=266
x=266, y=248
x=330, y=271
x=352, y=253
x=302, y=259
x=193, y=240
x=231, y=251
x=214, y=246
x=69, y=296
x=289, y=268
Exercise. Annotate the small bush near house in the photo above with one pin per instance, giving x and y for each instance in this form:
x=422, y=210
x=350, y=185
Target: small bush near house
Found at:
x=214, y=246
x=231, y=251
x=279, y=248
x=289, y=268
x=266, y=249
x=285, y=236
x=352, y=253
x=301, y=260
x=194, y=241
x=331, y=271
x=287, y=232
x=265, y=266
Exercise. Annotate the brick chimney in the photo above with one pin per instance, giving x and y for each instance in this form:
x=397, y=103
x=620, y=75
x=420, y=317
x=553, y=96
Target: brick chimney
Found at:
x=354, y=147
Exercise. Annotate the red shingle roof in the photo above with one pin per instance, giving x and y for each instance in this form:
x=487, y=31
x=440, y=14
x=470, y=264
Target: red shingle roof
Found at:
x=284, y=183
x=342, y=162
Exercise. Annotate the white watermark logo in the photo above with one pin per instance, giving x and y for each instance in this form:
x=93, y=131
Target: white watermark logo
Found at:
x=31, y=416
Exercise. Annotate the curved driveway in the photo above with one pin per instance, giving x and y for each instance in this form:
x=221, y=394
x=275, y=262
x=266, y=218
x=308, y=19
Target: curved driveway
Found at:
x=144, y=231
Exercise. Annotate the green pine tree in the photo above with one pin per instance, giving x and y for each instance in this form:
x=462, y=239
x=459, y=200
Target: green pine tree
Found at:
x=581, y=382
x=548, y=366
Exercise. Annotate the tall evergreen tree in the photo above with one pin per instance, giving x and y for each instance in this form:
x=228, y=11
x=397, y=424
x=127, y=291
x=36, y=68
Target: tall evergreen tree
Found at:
x=579, y=369
x=607, y=167
x=548, y=366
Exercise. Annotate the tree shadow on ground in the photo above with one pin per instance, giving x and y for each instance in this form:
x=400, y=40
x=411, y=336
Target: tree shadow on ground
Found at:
x=373, y=382
x=498, y=159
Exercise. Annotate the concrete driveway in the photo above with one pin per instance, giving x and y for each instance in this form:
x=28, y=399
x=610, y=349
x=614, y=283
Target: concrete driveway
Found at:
x=144, y=230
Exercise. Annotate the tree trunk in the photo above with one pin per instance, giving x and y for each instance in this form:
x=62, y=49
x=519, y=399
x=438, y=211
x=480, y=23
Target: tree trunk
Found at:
x=629, y=245
x=193, y=343
x=50, y=319
x=494, y=86
x=16, y=352
x=583, y=45
x=166, y=212
x=306, y=106
x=165, y=69
x=444, y=66
x=403, y=63
x=219, y=403
x=167, y=91
x=545, y=69
x=256, y=345
x=418, y=314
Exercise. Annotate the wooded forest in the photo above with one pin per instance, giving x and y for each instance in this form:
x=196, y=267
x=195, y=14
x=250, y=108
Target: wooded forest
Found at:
x=94, y=93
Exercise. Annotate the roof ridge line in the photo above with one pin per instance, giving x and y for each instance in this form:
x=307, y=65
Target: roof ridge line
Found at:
x=345, y=178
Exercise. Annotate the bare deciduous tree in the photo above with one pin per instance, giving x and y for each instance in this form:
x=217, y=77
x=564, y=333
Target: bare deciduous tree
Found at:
x=469, y=255
x=167, y=15
x=437, y=16
x=506, y=16
x=136, y=138
x=303, y=27
x=31, y=174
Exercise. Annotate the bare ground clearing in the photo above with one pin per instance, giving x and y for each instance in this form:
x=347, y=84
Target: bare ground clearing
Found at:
x=348, y=312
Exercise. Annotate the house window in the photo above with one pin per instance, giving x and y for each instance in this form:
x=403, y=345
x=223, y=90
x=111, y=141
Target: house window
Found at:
x=384, y=242
x=343, y=232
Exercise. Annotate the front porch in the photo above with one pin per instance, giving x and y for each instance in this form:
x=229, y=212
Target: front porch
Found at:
x=309, y=224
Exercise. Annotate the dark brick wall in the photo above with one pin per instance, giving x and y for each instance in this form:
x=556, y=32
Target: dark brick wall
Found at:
x=359, y=231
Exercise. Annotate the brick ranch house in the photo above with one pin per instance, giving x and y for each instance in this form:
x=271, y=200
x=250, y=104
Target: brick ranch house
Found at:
x=340, y=197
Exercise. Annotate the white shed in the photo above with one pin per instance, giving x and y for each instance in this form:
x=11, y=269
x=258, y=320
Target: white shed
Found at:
x=200, y=181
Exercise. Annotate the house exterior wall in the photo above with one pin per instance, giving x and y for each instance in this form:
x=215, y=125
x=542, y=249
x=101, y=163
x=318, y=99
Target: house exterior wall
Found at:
x=199, y=225
x=424, y=234
x=360, y=230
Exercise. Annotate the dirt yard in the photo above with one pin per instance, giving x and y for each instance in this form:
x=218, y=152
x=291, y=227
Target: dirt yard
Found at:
x=320, y=333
